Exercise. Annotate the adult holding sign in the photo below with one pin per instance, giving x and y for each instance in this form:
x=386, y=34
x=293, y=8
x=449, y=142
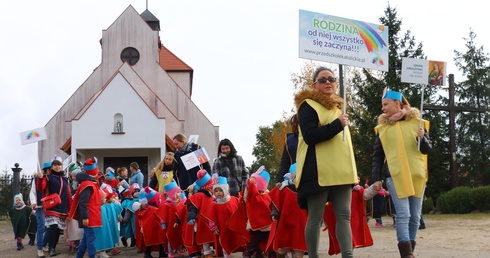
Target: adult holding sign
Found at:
x=326, y=168
x=396, y=153
x=185, y=177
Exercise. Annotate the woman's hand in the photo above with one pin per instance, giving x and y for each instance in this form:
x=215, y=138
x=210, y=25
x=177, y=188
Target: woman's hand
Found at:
x=420, y=133
x=344, y=119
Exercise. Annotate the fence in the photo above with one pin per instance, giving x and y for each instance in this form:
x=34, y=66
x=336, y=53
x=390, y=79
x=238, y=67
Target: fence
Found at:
x=7, y=195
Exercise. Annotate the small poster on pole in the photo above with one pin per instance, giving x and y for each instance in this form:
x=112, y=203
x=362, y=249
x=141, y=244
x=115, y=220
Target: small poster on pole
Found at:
x=422, y=71
x=195, y=158
x=32, y=136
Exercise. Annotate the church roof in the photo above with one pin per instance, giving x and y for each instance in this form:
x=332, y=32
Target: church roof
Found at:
x=151, y=20
x=170, y=62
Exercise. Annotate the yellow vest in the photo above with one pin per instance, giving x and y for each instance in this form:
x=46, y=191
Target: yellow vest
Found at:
x=163, y=181
x=335, y=158
x=408, y=166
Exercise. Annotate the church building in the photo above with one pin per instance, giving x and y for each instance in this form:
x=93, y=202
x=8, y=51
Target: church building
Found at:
x=132, y=105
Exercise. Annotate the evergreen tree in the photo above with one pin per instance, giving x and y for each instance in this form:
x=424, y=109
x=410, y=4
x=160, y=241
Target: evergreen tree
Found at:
x=473, y=132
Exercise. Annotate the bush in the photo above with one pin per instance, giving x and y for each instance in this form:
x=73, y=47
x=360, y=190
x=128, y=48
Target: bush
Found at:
x=458, y=200
x=441, y=203
x=480, y=198
x=427, y=205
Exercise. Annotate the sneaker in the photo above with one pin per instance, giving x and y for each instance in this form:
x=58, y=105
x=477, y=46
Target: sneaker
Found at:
x=103, y=254
x=181, y=251
x=114, y=251
x=20, y=246
x=40, y=253
x=46, y=248
x=378, y=225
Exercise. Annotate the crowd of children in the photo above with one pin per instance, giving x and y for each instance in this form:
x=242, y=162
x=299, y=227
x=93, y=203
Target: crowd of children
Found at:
x=107, y=209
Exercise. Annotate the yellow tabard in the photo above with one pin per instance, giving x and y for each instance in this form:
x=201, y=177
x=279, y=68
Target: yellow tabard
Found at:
x=335, y=158
x=406, y=163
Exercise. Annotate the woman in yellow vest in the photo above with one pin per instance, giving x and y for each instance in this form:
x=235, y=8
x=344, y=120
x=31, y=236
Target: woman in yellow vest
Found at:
x=397, y=153
x=164, y=173
x=326, y=169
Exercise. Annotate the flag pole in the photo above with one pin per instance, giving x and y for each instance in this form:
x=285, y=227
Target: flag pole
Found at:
x=345, y=100
x=421, y=110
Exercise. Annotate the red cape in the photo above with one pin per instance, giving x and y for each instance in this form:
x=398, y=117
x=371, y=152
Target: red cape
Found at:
x=93, y=206
x=167, y=215
x=203, y=234
x=153, y=234
x=219, y=214
x=187, y=231
x=361, y=235
x=256, y=210
x=289, y=230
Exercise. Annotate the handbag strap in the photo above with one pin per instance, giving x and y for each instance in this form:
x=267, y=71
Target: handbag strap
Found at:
x=61, y=185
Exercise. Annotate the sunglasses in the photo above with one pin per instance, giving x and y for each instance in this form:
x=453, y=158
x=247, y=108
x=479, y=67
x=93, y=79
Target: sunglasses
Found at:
x=324, y=80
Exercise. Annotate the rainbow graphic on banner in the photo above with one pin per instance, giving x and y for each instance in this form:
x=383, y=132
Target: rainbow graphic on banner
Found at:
x=32, y=135
x=371, y=38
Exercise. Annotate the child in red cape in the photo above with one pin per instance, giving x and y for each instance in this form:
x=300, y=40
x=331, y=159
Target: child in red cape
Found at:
x=150, y=237
x=289, y=220
x=218, y=213
x=166, y=213
x=196, y=232
x=252, y=217
x=361, y=235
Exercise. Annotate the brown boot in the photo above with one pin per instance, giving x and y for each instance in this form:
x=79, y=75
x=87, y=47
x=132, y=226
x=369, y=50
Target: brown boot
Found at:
x=405, y=249
x=413, y=245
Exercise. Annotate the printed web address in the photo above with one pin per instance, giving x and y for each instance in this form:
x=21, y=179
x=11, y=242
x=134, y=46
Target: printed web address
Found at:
x=321, y=53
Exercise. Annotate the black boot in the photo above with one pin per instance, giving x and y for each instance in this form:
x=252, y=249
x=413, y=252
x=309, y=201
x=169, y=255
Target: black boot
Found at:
x=52, y=252
x=148, y=252
x=161, y=252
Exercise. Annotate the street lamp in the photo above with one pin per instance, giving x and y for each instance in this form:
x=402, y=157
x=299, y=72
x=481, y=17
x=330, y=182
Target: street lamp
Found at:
x=15, y=184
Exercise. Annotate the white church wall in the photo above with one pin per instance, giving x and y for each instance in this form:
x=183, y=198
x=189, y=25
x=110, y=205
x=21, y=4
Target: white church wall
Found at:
x=95, y=129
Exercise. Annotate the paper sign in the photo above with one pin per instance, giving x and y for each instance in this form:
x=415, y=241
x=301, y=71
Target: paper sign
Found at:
x=193, y=139
x=423, y=71
x=195, y=158
x=67, y=161
x=339, y=40
x=32, y=136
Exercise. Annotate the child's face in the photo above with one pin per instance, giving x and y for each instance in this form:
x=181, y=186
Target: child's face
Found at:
x=178, y=196
x=135, y=194
x=169, y=159
x=18, y=201
x=218, y=192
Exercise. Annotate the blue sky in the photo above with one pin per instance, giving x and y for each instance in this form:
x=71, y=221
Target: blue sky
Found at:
x=244, y=52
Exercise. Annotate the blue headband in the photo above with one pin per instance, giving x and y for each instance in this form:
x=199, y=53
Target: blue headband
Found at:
x=390, y=94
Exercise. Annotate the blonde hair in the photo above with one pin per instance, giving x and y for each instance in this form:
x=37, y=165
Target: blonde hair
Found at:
x=161, y=164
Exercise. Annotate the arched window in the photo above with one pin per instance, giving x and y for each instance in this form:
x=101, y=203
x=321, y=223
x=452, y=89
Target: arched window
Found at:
x=118, y=123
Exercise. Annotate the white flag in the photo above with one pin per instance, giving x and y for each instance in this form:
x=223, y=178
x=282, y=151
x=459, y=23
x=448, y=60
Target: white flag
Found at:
x=34, y=135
